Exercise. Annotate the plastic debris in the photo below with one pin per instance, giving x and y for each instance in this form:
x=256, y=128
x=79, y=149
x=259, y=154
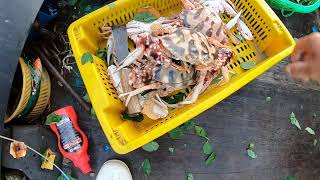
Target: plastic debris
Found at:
x=48, y=164
x=107, y=148
x=18, y=149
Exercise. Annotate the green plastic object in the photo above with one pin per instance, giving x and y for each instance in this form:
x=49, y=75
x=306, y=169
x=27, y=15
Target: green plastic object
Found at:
x=287, y=5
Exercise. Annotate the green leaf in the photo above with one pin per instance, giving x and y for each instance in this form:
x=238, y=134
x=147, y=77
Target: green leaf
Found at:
x=171, y=150
x=86, y=57
x=290, y=178
x=144, y=17
x=268, y=99
x=310, y=131
x=190, y=176
x=93, y=114
x=294, y=120
x=315, y=141
x=201, y=132
x=146, y=167
x=175, y=98
x=207, y=148
x=138, y=117
x=251, y=146
x=251, y=153
x=176, y=133
x=86, y=98
x=69, y=176
x=150, y=147
x=247, y=65
x=188, y=126
x=217, y=80
x=52, y=119
x=101, y=53
x=211, y=158
x=72, y=2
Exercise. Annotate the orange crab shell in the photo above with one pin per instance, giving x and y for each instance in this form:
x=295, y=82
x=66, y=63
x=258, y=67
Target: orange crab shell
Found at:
x=18, y=149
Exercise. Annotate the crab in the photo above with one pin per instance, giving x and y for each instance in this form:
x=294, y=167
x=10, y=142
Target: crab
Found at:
x=194, y=48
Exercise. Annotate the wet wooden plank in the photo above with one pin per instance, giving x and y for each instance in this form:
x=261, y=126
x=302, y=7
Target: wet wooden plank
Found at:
x=241, y=119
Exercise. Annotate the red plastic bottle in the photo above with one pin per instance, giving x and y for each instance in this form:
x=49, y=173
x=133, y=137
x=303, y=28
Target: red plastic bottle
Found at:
x=71, y=145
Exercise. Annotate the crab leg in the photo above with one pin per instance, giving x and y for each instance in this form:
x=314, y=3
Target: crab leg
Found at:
x=193, y=96
x=138, y=91
x=110, y=48
x=134, y=55
x=234, y=20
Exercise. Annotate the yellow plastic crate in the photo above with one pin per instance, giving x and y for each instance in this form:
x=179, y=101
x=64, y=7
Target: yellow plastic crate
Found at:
x=272, y=43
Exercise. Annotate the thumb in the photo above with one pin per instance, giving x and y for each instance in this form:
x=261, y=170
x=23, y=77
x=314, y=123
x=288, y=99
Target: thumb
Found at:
x=299, y=70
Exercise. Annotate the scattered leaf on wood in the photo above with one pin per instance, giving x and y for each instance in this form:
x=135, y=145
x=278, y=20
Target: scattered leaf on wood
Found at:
x=290, y=178
x=310, y=131
x=211, y=158
x=93, y=113
x=294, y=120
x=86, y=57
x=268, y=99
x=176, y=133
x=188, y=126
x=138, y=117
x=150, y=147
x=52, y=119
x=201, y=132
x=18, y=149
x=315, y=141
x=69, y=176
x=247, y=65
x=48, y=164
x=190, y=176
x=171, y=150
x=86, y=98
x=251, y=152
x=146, y=167
x=207, y=148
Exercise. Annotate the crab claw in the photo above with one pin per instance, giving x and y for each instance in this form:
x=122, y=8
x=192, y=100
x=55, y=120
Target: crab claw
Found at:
x=234, y=20
x=134, y=55
x=110, y=48
x=244, y=30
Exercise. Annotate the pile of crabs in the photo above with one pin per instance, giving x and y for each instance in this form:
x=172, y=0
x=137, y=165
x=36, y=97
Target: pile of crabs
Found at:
x=173, y=53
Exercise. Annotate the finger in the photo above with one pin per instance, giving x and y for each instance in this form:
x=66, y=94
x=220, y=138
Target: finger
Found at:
x=299, y=70
x=303, y=46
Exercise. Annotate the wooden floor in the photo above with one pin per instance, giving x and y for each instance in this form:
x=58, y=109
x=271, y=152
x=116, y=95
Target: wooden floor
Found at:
x=243, y=118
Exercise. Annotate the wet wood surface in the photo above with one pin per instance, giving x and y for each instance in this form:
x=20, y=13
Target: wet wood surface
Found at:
x=244, y=117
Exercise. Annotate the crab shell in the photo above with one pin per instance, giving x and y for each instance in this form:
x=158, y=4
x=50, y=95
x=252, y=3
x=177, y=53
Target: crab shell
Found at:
x=189, y=46
x=153, y=108
x=172, y=77
x=204, y=21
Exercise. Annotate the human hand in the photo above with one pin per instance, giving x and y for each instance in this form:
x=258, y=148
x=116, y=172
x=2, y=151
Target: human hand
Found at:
x=306, y=59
